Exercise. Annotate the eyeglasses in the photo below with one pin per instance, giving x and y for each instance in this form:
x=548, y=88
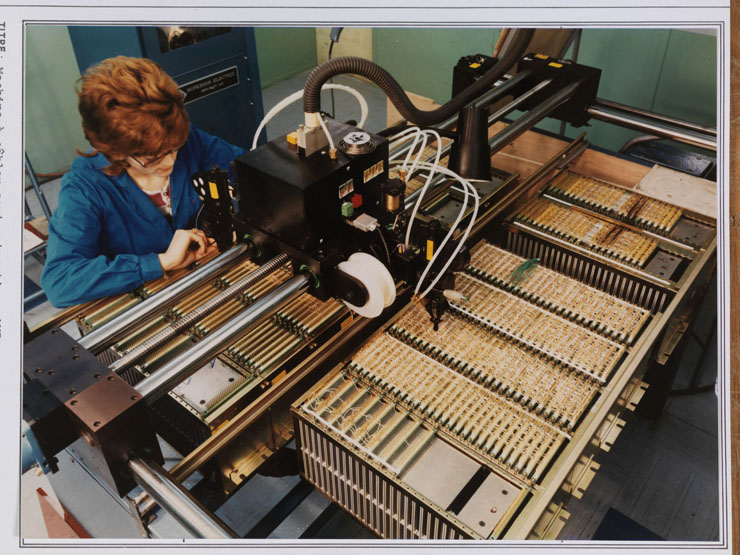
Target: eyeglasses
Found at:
x=153, y=161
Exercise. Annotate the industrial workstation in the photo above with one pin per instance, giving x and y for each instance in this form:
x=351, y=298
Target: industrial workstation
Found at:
x=392, y=283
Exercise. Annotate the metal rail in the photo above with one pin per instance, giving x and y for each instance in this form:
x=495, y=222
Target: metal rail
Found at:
x=528, y=120
x=37, y=188
x=182, y=366
x=108, y=333
x=511, y=106
x=601, y=103
x=178, y=501
x=236, y=425
x=200, y=312
x=653, y=127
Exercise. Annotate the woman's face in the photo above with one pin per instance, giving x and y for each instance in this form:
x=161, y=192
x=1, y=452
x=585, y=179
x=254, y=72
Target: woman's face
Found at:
x=160, y=166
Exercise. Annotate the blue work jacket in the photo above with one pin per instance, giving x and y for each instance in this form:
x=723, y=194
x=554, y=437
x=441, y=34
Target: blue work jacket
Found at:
x=106, y=234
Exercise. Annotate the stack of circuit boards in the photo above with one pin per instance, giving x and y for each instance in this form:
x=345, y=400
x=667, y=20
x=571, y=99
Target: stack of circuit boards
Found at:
x=603, y=219
x=446, y=434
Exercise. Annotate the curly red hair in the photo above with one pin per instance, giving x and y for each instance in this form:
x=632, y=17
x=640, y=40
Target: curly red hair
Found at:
x=130, y=106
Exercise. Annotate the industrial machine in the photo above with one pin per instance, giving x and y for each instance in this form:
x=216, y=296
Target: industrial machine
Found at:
x=449, y=345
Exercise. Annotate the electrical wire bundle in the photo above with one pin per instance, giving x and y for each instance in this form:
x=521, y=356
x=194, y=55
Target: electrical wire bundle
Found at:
x=434, y=168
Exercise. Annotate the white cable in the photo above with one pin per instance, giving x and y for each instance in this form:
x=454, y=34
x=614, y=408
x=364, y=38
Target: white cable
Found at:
x=469, y=189
x=460, y=244
x=401, y=134
x=438, y=249
x=433, y=169
x=399, y=137
x=418, y=156
x=424, y=135
x=451, y=258
x=326, y=132
x=298, y=94
x=473, y=217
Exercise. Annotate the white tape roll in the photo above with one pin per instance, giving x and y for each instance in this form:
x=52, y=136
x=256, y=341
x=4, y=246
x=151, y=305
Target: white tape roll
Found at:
x=381, y=272
x=368, y=270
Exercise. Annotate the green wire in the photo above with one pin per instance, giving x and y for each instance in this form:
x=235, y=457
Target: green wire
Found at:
x=524, y=270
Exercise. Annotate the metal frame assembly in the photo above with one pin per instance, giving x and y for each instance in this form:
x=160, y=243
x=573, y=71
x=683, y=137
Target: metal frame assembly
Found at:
x=449, y=336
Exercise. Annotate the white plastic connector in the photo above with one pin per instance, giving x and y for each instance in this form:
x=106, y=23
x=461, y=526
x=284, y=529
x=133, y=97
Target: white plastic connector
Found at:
x=311, y=119
x=364, y=222
x=454, y=296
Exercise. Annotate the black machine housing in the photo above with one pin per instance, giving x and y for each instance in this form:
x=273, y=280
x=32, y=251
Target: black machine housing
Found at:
x=562, y=72
x=299, y=200
x=300, y=205
x=320, y=210
x=469, y=69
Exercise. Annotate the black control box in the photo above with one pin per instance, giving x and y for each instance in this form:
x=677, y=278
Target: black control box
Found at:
x=304, y=201
x=469, y=69
x=561, y=72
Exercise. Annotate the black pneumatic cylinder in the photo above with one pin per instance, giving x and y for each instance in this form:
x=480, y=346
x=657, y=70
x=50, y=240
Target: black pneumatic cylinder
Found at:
x=470, y=155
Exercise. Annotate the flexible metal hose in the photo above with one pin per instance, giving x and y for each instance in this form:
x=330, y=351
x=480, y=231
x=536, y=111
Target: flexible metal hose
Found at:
x=394, y=91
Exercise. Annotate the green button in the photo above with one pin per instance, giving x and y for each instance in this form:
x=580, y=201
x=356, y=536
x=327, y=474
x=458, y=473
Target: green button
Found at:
x=347, y=209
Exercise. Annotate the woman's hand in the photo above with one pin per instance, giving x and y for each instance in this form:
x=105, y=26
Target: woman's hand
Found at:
x=187, y=246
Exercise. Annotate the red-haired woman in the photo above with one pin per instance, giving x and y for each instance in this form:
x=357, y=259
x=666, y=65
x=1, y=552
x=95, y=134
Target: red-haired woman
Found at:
x=127, y=210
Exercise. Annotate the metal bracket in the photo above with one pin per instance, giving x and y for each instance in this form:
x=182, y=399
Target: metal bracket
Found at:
x=676, y=329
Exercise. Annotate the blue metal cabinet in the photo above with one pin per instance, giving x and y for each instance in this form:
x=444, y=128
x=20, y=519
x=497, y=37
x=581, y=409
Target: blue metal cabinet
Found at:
x=216, y=66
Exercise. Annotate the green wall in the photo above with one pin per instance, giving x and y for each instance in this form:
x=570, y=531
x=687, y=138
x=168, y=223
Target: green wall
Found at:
x=283, y=52
x=53, y=125
x=663, y=70
x=668, y=71
x=421, y=60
